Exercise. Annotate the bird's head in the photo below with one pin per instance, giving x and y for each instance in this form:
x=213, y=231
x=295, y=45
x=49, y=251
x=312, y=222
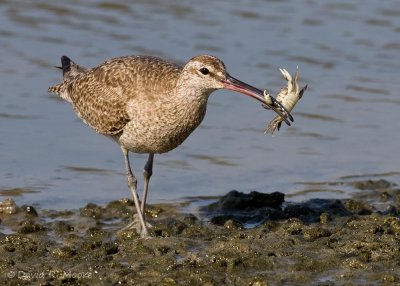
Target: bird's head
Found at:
x=207, y=73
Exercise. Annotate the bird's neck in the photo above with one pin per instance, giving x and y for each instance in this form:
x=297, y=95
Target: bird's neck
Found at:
x=191, y=93
x=189, y=106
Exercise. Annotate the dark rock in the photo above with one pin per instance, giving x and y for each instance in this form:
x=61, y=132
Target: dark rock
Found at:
x=238, y=201
x=29, y=210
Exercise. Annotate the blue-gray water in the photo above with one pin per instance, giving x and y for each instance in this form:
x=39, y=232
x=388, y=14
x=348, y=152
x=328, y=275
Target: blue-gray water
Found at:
x=346, y=124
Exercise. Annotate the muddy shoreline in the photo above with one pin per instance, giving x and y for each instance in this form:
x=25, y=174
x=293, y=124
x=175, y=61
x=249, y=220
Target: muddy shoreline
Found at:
x=318, y=242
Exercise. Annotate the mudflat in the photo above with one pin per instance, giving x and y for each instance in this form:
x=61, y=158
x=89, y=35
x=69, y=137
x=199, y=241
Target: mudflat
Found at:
x=238, y=239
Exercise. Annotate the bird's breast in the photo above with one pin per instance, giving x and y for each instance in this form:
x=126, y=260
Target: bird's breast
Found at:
x=161, y=126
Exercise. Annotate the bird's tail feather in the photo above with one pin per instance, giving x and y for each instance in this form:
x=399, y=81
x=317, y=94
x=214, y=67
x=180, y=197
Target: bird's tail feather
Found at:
x=66, y=68
x=56, y=89
x=65, y=64
x=70, y=71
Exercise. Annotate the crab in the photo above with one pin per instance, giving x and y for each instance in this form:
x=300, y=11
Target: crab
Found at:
x=287, y=96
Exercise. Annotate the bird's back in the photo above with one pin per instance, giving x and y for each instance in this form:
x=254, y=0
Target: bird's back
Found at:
x=101, y=95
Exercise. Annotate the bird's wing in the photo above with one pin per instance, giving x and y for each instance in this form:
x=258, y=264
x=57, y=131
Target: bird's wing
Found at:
x=101, y=96
x=101, y=107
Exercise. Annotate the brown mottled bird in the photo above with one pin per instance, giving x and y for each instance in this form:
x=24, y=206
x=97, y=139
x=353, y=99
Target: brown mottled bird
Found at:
x=148, y=105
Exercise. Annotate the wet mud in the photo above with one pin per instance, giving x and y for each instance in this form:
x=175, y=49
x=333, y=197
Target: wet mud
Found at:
x=239, y=239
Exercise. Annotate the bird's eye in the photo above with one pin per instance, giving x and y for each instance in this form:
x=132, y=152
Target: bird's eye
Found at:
x=204, y=71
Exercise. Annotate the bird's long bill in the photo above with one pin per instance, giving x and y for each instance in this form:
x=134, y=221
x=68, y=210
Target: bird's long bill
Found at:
x=239, y=86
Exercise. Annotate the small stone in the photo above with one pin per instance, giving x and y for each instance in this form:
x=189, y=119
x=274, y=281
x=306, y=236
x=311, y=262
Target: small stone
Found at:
x=324, y=218
x=30, y=210
x=233, y=224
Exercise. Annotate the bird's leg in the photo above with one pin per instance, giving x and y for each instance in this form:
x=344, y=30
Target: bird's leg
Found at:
x=132, y=184
x=147, y=172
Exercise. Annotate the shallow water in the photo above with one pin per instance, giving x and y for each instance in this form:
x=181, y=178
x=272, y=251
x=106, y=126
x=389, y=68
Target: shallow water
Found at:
x=346, y=124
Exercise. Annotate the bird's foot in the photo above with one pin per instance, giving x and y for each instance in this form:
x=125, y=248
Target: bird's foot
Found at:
x=135, y=225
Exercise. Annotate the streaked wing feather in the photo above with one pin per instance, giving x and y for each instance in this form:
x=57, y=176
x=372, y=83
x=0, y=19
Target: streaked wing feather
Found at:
x=101, y=96
x=100, y=104
x=100, y=107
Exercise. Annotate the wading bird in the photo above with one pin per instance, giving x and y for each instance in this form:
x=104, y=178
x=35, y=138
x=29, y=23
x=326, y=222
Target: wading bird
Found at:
x=148, y=105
